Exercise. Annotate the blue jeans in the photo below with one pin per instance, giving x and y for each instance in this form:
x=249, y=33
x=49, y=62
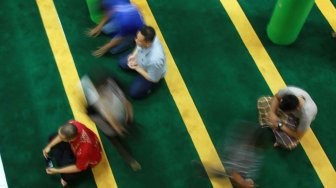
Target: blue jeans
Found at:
x=140, y=87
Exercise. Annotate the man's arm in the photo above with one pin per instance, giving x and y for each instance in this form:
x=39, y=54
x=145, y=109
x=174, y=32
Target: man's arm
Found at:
x=97, y=30
x=151, y=75
x=142, y=72
x=54, y=142
x=104, y=49
x=273, y=118
x=296, y=134
x=241, y=181
x=64, y=170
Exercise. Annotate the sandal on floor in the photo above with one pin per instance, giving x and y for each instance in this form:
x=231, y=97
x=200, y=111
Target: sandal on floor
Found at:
x=276, y=144
x=333, y=35
x=135, y=166
x=63, y=182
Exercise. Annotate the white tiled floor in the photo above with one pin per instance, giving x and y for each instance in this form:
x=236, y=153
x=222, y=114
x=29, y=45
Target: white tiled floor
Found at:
x=3, y=182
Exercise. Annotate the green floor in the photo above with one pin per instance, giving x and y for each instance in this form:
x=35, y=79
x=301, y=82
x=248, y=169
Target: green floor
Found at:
x=220, y=74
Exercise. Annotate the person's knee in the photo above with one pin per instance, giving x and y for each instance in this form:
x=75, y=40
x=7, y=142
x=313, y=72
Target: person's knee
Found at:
x=134, y=94
x=70, y=177
x=114, y=51
x=292, y=146
x=137, y=94
x=123, y=62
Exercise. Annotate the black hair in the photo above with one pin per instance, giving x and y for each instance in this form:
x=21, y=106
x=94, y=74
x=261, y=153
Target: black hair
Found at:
x=289, y=103
x=148, y=32
x=69, y=131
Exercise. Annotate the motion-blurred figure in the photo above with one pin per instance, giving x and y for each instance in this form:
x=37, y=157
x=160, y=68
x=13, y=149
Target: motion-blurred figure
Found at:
x=121, y=22
x=242, y=156
x=111, y=111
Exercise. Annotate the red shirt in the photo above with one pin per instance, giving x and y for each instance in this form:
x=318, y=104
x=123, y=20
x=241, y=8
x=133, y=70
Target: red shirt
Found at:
x=86, y=147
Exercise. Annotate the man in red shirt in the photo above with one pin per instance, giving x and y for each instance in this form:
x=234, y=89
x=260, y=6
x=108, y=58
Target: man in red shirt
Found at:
x=75, y=149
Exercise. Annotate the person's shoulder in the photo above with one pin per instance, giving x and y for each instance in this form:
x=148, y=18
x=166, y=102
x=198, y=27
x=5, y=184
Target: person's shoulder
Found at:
x=158, y=48
x=77, y=124
x=293, y=90
x=296, y=89
x=74, y=122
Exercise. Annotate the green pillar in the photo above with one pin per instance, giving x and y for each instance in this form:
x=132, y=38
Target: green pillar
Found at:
x=287, y=20
x=94, y=9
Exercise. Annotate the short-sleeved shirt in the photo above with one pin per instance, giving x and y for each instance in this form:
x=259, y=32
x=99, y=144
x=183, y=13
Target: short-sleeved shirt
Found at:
x=86, y=147
x=309, y=110
x=153, y=60
x=243, y=159
x=127, y=19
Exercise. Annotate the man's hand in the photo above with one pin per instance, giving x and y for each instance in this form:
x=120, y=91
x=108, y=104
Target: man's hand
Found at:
x=45, y=151
x=52, y=171
x=131, y=61
x=94, y=32
x=132, y=64
x=249, y=183
x=100, y=52
x=131, y=58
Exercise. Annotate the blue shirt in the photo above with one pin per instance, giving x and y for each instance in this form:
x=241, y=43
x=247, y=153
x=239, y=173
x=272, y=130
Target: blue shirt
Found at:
x=127, y=19
x=153, y=60
x=109, y=4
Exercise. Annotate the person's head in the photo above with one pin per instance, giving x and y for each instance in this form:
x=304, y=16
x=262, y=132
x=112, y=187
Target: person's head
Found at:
x=67, y=132
x=145, y=37
x=289, y=103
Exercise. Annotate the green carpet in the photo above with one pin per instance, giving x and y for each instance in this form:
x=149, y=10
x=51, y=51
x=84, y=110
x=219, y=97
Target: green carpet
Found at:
x=217, y=68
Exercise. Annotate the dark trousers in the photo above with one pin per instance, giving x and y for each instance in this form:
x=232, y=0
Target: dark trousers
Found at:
x=140, y=87
x=63, y=156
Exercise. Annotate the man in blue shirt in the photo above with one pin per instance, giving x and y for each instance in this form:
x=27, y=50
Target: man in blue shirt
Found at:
x=148, y=59
x=121, y=22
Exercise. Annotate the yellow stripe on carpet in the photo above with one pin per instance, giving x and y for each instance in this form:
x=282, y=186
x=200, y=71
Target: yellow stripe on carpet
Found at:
x=66, y=66
x=185, y=105
x=328, y=10
x=309, y=142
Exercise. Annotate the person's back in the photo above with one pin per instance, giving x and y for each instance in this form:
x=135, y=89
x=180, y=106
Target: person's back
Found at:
x=128, y=18
x=308, y=111
x=86, y=147
x=110, y=4
x=107, y=106
x=114, y=103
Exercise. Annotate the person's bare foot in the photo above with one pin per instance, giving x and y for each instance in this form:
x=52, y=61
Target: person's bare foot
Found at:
x=63, y=182
x=249, y=182
x=333, y=35
x=276, y=145
x=135, y=165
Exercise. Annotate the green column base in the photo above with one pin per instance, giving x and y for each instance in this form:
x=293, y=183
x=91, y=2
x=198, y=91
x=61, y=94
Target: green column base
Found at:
x=96, y=14
x=287, y=20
